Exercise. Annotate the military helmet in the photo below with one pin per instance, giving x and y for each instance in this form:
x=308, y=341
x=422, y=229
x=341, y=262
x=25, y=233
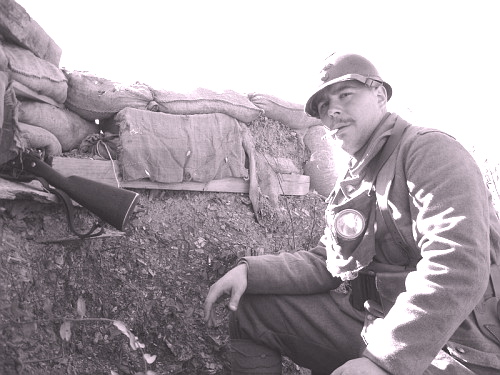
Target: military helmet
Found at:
x=346, y=67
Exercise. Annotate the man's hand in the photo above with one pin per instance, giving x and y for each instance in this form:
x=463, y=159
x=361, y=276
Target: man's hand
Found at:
x=233, y=283
x=359, y=366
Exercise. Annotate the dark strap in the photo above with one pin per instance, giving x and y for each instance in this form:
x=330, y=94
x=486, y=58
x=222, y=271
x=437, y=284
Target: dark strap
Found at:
x=388, y=149
x=495, y=281
x=379, y=160
x=66, y=200
x=396, y=235
x=384, y=183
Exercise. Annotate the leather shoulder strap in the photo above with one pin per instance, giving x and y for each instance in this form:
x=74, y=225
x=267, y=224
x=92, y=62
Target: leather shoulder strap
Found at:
x=383, y=186
x=388, y=149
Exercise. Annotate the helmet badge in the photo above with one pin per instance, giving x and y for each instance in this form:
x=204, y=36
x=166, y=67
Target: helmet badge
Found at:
x=324, y=73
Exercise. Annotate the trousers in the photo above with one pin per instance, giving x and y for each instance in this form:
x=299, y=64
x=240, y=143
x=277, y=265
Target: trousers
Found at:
x=312, y=330
x=319, y=332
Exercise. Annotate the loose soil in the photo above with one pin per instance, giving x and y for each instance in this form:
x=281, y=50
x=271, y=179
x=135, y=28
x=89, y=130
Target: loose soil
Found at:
x=67, y=305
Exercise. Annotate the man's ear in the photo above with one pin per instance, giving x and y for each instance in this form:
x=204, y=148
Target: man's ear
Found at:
x=381, y=93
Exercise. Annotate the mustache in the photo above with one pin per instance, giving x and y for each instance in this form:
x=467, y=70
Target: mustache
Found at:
x=340, y=120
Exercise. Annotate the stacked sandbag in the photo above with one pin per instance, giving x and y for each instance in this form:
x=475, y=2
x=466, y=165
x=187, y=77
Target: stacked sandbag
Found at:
x=204, y=101
x=30, y=58
x=289, y=114
x=9, y=143
x=19, y=28
x=4, y=61
x=327, y=161
x=37, y=137
x=35, y=73
x=96, y=98
x=68, y=128
x=38, y=124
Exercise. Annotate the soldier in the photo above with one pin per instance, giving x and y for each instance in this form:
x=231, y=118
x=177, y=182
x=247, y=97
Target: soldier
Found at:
x=405, y=279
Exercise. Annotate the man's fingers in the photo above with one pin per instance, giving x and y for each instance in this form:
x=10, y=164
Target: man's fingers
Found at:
x=208, y=311
x=212, y=297
x=210, y=320
x=235, y=298
x=233, y=283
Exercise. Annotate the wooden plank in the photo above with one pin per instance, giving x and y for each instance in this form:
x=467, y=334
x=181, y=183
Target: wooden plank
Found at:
x=291, y=184
x=17, y=26
x=102, y=170
x=11, y=190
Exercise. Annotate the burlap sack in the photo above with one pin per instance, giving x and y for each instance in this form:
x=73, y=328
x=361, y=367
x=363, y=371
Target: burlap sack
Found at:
x=171, y=148
x=9, y=140
x=203, y=101
x=17, y=26
x=69, y=128
x=280, y=165
x=4, y=61
x=36, y=137
x=35, y=73
x=327, y=161
x=289, y=114
x=95, y=98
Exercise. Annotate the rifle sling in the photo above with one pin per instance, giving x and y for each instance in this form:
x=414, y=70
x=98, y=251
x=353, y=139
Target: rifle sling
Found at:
x=66, y=200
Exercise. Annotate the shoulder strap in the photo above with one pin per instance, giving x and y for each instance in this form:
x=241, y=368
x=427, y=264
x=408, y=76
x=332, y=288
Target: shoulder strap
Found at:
x=383, y=186
x=388, y=149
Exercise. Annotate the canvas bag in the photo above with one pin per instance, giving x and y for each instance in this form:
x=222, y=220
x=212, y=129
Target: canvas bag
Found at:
x=175, y=148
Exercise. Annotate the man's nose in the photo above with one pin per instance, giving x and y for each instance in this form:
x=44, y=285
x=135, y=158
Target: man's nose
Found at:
x=334, y=109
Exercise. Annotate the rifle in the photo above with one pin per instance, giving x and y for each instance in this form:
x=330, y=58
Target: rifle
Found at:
x=110, y=204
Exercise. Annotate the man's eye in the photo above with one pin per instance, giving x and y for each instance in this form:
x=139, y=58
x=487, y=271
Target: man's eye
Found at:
x=345, y=95
x=322, y=107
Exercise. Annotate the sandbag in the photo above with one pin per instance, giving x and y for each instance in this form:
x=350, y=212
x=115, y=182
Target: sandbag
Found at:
x=69, y=128
x=203, y=101
x=4, y=61
x=326, y=163
x=36, y=137
x=9, y=141
x=171, y=148
x=36, y=73
x=289, y=114
x=95, y=98
x=279, y=164
x=17, y=26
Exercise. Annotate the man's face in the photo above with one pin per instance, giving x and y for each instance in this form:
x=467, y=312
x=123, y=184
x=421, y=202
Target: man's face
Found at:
x=351, y=111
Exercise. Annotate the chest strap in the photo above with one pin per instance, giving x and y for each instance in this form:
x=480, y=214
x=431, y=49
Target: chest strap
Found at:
x=383, y=186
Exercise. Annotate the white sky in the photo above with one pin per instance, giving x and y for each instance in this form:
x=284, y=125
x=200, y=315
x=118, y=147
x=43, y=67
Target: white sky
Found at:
x=440, y=56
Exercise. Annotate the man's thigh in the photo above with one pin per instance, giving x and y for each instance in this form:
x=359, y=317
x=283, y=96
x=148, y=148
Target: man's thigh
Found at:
x=320, y=331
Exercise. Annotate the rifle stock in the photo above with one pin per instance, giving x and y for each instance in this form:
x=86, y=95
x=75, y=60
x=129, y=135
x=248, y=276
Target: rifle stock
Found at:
x=111, y=204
